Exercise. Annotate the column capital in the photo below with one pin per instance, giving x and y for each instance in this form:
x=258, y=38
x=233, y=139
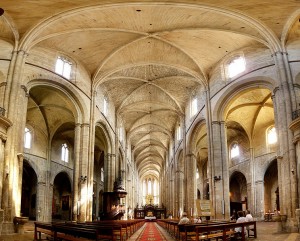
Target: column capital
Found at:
x=85, y=125
x=191, y=155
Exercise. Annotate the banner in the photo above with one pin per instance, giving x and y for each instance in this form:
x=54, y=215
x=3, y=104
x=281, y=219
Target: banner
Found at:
x=204, y=207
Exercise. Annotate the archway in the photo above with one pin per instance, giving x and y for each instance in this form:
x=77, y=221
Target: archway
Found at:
x=271, y=193
x=29, y=190
x=238, y=192
x=61, y=202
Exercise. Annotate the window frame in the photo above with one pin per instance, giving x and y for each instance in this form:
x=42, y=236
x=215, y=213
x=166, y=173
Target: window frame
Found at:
x=194, y=106
x=31, y=137
x=270, y=128
x=61, y=71
x=231, y=61
x=65, y=152
x=105, y=106
x=232, y=146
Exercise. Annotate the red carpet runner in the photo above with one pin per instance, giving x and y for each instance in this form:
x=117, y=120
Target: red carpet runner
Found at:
x=151, y=233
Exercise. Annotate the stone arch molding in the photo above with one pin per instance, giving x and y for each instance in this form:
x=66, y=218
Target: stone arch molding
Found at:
x=233, y=90
x=191, y=137
x=287, y=27
x=264, y=167
x=71, y=93
x=108, y=135
x=35, y=167
x=237, y=170
x=55, y=172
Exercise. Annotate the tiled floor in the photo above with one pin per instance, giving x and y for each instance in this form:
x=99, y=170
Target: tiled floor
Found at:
x=267, y=231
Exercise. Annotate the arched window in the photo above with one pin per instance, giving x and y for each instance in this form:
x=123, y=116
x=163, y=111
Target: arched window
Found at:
x=65, y=152
x=102, y=174
x=194, y=106
x=197, y=174
x=27, y=138
x=63, y=67
x=271, y=136
x=144, y=188
x=149, y=187
x=235, y=150
x=105, y=106
x=236, y=66
x=179, y=133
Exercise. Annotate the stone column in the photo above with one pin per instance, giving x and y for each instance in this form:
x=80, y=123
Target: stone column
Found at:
x=76, y=180
x=180, y=192
x=219, y=170
x=284, y=106
x=2, y=167
x=191, y=190
x=41, y=206
x=16, y=112
x=259, y=211
x=84, y=189
x=109, y=172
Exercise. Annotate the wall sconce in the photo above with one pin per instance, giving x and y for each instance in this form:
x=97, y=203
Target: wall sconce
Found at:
x=217, y=178
x=82, y=178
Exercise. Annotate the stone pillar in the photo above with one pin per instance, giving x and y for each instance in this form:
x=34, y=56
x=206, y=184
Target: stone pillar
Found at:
x=76, y=202
x=249, y=197
x=259, y=211
x=219, y=170
x=84, y=188
x=2, y=168
x=191, y=190
x=109, y=170
x=11, y=198
x=283, y=104
x=180, y=192
x=41, y=207
x=251, y=185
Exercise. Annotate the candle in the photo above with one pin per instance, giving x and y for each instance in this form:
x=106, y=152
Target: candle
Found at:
x=191, y=212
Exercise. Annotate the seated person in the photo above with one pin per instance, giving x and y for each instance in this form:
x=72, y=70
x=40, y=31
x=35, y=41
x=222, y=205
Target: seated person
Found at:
x=184, y=219
x=197, y=220
x=249, y=217
x=241, y=219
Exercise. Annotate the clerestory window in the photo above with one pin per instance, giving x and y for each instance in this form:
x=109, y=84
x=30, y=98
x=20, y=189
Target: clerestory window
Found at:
x=63, y=67
x=65, y=152
x=235, y=150
x=236, y=66
x=271, y=136
x=27, y=138
x=105, y=106
x=194, y=107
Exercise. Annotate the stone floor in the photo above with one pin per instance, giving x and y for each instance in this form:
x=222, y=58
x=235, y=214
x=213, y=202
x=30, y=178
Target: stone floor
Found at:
x=266, y=231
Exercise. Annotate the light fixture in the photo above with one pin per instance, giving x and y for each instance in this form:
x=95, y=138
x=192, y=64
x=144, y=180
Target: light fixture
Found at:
x=82, y=178
x=217, y=178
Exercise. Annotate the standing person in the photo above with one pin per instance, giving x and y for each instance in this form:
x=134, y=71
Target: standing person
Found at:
x=184, y=219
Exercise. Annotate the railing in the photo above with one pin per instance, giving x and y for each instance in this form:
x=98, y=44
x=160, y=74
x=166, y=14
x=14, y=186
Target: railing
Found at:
x=295, y=114
x=2, y=111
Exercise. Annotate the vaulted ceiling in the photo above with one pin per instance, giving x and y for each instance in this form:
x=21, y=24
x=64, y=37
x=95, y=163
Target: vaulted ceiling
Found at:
x=149, y=56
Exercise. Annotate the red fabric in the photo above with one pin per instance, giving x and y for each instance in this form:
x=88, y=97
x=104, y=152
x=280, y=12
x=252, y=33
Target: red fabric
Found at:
x=151, y=233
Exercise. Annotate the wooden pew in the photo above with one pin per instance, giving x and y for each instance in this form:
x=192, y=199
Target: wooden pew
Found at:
x=75, y=233
x=42, y=228
x=222, y=231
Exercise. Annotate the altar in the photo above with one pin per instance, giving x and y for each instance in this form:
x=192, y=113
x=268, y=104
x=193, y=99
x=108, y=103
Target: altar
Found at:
x=149, y=212
x=150, y=218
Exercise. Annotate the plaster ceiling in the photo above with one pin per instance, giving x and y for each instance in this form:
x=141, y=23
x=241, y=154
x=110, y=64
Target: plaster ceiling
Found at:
x=149, y=56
